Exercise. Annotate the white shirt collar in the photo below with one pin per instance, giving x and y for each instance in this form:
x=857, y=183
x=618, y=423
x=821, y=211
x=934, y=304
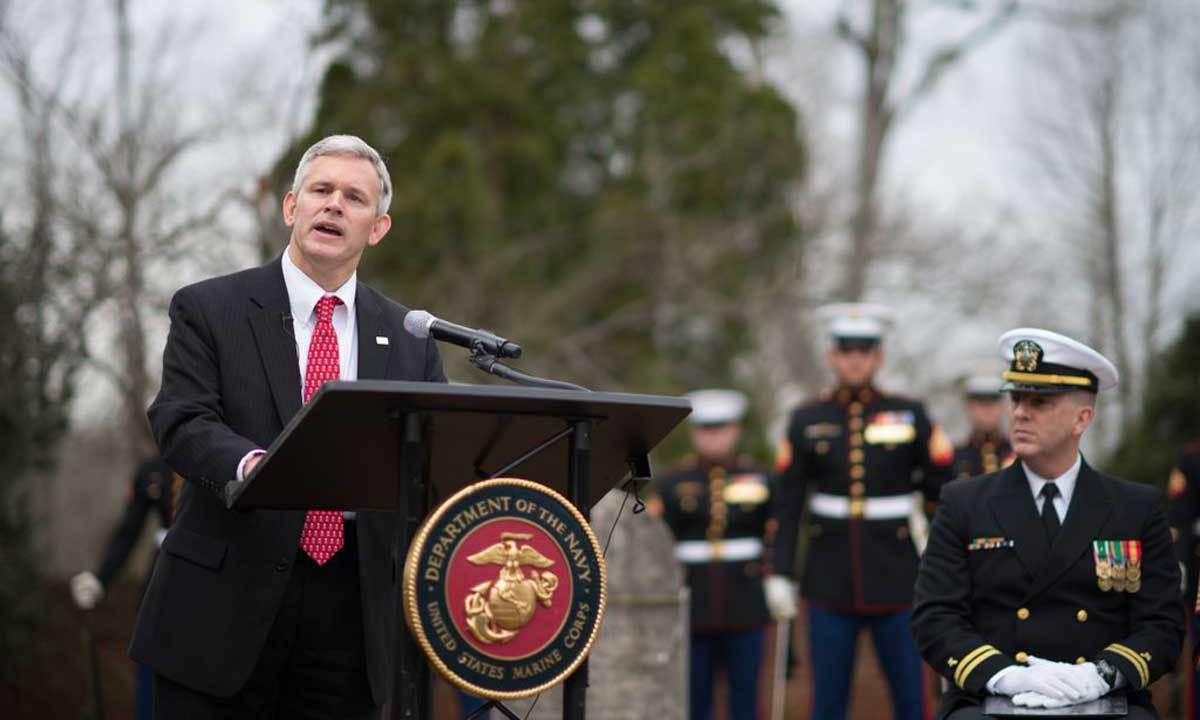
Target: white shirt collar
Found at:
x=303, y=292
x=1064, y=482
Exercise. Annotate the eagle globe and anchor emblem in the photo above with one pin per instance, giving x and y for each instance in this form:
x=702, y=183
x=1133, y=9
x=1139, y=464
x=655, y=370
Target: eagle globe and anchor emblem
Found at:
x=504, y=588
x=498, y=609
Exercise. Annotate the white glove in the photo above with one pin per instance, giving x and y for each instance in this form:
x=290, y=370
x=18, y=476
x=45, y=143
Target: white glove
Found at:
x=86, y=590
x=1032, y=699
x=1035, y=679
x=781, y=597
x=1083, y=677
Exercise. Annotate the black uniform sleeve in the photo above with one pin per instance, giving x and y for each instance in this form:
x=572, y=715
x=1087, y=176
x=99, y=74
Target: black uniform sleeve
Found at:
x=790, y=483
x=1156, y=614
x=129, y=529
x=941, y=618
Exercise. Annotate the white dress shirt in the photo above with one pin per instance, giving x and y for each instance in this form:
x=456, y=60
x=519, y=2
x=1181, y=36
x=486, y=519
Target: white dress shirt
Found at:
x=1064, y=482
x=303, y=295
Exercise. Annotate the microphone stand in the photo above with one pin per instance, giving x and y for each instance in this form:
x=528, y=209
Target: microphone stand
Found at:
x=488, y=363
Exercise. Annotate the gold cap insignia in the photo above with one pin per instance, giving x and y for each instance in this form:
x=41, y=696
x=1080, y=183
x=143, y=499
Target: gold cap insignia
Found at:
x=1026, y=356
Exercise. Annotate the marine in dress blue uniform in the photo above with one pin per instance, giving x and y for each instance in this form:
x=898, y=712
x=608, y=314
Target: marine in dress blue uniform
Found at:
x=1049, y=582
x=862, y=453
x=717, y=505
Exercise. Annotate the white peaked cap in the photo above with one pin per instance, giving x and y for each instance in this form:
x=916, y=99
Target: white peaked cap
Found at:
x=716, y=406
x=1046, y=361
x=868, y=321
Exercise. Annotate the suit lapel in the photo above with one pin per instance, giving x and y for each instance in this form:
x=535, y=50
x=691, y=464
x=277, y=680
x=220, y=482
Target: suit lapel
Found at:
x=374, y=337
x=1014, y=510
x=269, y=313
x=1089, y=509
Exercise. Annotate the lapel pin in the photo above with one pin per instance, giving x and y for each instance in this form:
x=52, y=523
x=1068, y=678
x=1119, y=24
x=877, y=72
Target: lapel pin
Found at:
x=381, y=340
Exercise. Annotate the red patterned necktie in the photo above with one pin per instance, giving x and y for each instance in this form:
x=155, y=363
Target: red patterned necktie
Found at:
x=322, y=534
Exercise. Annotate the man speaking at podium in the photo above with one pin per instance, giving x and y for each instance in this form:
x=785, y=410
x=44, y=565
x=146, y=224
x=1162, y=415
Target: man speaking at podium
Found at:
x=277, y=613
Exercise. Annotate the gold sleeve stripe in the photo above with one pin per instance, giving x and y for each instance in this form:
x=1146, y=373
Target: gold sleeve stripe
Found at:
x=1138, y=661
x=971, y=661
x=962, y=664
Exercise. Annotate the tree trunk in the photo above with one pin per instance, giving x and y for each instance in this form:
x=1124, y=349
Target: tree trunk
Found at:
x=880, y=62
x=1110, y=237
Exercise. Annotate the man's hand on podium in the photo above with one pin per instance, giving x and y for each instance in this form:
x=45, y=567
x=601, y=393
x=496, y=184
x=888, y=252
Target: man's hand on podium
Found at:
x=250, y=463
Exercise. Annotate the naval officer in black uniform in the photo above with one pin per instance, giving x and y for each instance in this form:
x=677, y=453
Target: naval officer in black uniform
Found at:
x=1047, y=581
x=717, y=504
x=986, y=449
x=862, y=452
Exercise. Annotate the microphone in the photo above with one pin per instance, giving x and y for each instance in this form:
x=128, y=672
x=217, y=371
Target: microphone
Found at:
x=422, y=325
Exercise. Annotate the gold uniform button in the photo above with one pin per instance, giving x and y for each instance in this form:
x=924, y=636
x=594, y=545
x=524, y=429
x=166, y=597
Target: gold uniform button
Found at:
x=855, y=423
x=857, y=472
x=857, y=488
x=856, y=455
x=855, y=408
x=902, y=532
x=1081, y=616
x=856, y=440
x=1023, y=614
x=1021, y=657
x=1079, y=660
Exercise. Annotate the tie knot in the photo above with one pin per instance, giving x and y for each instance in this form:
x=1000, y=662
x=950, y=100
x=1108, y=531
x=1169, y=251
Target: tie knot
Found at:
x=1049, y=490
x=325, y=307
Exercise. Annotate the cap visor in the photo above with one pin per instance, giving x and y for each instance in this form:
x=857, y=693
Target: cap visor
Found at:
x=1011, y=387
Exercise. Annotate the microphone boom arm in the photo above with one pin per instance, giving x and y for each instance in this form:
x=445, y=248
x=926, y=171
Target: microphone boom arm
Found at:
x=489, y=364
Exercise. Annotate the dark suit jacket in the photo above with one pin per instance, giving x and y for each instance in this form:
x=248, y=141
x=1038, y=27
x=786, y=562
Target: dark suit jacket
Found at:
x=977, y=610
x=230, y=383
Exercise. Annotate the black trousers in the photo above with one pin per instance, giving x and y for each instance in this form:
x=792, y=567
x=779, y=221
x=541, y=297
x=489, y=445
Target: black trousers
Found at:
x=313, y=665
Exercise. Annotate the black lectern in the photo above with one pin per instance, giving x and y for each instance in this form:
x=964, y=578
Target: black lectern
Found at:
x=403, y=446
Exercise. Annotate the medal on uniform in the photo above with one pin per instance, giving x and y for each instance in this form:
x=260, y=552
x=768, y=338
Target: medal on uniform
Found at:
x=1100, y=551
x=1134, y=573
x=1134, y=553
x=1103, y=572
x=1118, y=571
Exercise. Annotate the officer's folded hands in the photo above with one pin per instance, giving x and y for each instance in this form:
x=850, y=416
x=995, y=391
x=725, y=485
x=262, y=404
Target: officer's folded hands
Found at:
x=1045, y=683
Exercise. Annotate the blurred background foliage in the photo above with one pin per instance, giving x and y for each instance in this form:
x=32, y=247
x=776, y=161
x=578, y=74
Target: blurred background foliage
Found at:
x=1168, y=419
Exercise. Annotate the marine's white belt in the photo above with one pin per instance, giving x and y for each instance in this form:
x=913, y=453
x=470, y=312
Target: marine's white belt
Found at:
x=892, y=507
x=733, y=550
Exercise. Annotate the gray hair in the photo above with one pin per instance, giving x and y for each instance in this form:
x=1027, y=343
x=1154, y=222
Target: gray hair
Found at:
x=348, y=146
